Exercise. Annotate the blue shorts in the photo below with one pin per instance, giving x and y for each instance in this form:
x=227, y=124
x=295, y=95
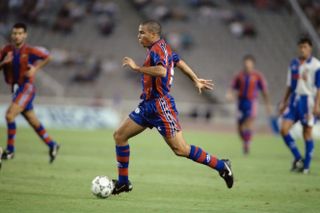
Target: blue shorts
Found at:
x=246, y=109
x=160, y=113
x=300, y=109
x=24, y=95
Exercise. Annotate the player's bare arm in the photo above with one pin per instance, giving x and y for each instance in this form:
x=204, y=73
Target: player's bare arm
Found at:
x=33, y=69
x=316, y=109
x=284, y=102
x=7, y=59
x=199, y=82
x=267, y=103
x=230, y=95
x=152, y=70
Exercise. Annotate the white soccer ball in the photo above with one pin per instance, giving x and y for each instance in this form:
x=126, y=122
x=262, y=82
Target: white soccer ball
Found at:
x=102, y=186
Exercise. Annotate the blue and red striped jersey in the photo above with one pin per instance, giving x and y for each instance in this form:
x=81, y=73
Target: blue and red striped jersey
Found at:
x=15, y=71
x=248, y=84
x=159, y=53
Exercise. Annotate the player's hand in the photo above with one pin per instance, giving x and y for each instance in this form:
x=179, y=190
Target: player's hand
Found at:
x=204, y=84
x=129, y=62
x=31, y=71
x=8, y=58
x=282, y=108
x=230, y=96
x=316, y=111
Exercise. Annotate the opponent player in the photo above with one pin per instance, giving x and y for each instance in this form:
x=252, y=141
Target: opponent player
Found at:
x=157, y=108
x=301, y=102
x=246, y=84
x=20, y=62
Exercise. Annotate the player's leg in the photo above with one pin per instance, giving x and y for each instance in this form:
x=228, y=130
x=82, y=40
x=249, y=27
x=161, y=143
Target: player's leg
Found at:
x=12, y=112
x=309, y=146
x=127, y=130
x=291, y=144
x=34, y=122
x=197, y=154
x=246, y=133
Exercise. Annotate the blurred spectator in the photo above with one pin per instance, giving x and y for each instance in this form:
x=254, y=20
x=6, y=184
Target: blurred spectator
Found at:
x=105, y=24
x=64, y=21
x=180, y=40
x=90, y=73
x=312, y=10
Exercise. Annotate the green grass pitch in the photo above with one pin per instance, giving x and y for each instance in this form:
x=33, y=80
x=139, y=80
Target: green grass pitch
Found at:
x=161, y=181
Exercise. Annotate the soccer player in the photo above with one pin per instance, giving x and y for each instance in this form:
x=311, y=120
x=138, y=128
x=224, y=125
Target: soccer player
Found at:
x=158, y=109
x=246, y=84
x=301, y=102
x=20, y=62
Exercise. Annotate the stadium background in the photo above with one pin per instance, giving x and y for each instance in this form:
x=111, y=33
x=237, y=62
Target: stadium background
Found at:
x=85, y=87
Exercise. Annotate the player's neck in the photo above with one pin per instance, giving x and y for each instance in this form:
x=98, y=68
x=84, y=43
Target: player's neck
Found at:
x=154, y=41
x=18, y=46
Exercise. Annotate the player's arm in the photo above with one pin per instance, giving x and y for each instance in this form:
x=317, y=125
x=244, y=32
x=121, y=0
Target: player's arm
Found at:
x=231, y=92
x=284, y=103
x=266, y=99
x=316, y=109
x=262, y=85
x=199, y=82
x=34, y=68
x=285, y=100
x=7, y=59
x=157, y=71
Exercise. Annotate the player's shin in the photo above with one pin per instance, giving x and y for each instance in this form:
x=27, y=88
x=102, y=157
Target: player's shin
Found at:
x=11, y=136
x=200, y=156
x=123, y=154
x=42, y=133
x=292, y=146
x=309, y=150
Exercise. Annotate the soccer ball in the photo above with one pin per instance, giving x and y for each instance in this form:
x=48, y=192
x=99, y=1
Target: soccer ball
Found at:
x=102, y=186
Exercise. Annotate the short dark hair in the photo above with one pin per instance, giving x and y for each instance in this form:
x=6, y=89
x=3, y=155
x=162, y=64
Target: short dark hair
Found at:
x=20, y=25
x=153, y=26
x=249, y=57
x=304, y=40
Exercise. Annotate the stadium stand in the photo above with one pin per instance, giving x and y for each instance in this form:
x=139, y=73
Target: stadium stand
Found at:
x=212, y=36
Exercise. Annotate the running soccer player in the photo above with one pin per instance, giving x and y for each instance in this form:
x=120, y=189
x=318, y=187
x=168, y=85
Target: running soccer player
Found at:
x=301, y=102
x=246, y=84
x=157, y=108
x=20, y=62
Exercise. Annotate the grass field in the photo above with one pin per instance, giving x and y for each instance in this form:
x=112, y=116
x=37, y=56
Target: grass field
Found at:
x=162, y=182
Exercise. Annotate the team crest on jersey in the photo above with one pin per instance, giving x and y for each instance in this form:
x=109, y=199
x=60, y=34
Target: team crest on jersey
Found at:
x=24, y=55
x=304, y=75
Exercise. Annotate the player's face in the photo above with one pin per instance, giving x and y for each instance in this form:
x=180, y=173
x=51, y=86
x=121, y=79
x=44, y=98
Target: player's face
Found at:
x=248, y=65
x=146, y=38
x=18, y=36
x=305, y=50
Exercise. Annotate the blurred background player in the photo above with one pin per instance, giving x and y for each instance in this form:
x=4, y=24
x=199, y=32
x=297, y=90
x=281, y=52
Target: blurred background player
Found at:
x=246, y=85
x=157, y=108
x=20, y=62
x=301, y=102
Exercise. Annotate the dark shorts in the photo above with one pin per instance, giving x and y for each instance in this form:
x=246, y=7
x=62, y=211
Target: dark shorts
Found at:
x=24, y=96
x=246, y=109
x=160, y=113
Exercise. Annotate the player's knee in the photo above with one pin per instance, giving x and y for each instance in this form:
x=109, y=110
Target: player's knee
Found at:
x=119, y=137
x=180, y=151
x=284, y=131
x=10, y=116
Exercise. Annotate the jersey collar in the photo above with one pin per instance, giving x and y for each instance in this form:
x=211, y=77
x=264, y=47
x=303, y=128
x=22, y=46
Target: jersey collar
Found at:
x=154, y=43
